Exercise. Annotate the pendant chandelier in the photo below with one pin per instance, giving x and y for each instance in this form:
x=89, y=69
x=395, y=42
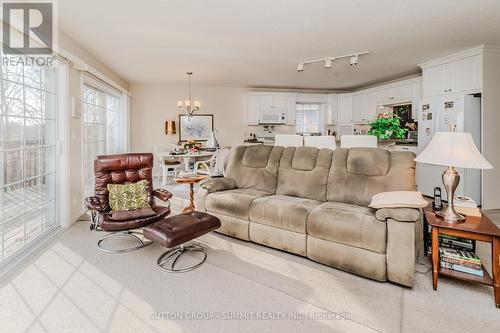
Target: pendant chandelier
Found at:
x=189, y=106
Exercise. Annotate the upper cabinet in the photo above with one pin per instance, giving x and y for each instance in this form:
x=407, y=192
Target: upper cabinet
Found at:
x=332, y=109
x=291, y=102
x=361, y=106
x=344, y=111
x=436, y=80
x=394, y=93
x=270, y=108
x=459, y=75
x=253, y=106
x=364, y=107
x=467, y=74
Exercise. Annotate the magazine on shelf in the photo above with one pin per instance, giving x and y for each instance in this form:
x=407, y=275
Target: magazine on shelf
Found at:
x=459, y=254
x=460, y=268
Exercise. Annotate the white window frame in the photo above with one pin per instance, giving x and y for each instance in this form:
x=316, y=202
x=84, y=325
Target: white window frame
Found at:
x=62, y=190
x=97, y=84
x=321, y=117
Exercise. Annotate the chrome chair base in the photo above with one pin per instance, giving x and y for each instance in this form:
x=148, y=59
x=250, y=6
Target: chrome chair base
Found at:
x=167, y=261
x=129, y=234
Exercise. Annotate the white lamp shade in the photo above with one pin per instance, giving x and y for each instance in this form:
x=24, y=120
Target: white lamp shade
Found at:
x=453, y=149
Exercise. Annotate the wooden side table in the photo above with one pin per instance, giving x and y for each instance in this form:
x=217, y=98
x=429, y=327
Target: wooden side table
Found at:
x=475, y=228
x=191, y=181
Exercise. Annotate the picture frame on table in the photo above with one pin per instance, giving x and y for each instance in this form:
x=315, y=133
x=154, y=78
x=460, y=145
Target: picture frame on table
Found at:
x=198, y=128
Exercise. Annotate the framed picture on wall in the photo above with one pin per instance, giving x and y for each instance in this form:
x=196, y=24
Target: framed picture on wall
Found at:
x=197, y=128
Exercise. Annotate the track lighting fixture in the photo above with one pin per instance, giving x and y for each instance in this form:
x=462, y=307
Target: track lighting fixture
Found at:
x=354, y=60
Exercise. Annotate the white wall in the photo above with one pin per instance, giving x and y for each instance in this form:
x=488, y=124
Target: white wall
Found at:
x=153, y=104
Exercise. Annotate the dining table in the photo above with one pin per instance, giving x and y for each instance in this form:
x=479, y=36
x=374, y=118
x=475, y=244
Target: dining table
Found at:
x=186, y=157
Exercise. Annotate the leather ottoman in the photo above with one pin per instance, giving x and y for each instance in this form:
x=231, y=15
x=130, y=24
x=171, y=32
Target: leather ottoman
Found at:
x=173, y=232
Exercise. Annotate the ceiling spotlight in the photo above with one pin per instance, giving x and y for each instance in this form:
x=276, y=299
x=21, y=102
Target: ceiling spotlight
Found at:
x=300, y=67
x=354, y=60
x=328, y=63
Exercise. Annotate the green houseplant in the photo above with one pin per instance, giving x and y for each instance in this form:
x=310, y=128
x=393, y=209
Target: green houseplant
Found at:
x=387, y=126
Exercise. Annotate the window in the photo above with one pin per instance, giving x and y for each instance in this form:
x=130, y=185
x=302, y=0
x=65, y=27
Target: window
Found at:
x=309, y=118
x=28, y=159
x=104, y=129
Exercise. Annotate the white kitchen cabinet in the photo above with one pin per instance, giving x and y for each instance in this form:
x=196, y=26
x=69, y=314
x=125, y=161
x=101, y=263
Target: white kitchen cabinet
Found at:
x=291, y=109
x=394, y=94
x=436, y=80
x=364, y=107
x=267, y=107
x=466, y=74
x=462, y=75
x=332, y=110
x=279, y=104
x=266, y=104
x=253, y=110
x=344, y=108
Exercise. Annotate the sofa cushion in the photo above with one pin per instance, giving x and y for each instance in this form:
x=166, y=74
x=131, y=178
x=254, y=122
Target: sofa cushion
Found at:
x=303, y=172
x=357, y=174
x=281, y=211
x=235, y=203
x=254, y=167
x=348, y=224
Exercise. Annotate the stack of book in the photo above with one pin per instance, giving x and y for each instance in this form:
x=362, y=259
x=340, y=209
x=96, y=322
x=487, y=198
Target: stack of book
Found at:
x=465, y=205
x=456, y=243
x=453, y=242
x=465, y=261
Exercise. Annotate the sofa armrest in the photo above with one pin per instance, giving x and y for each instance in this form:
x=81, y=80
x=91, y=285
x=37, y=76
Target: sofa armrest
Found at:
x=93, y=203
x=162, y=194
x=218, y=184
x=399, y=214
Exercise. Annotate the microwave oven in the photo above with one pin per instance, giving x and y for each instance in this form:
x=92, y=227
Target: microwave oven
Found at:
x=272, y=118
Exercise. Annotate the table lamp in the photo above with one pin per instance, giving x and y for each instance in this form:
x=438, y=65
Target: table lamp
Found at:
x=452, y=149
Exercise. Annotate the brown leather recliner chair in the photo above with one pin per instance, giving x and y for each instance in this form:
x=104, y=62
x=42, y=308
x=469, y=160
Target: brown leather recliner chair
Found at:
x=122, y=169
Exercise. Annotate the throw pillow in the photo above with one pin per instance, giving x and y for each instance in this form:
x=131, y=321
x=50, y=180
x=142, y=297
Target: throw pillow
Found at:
x=398, y=199
x=128, y=196
x=218, y=184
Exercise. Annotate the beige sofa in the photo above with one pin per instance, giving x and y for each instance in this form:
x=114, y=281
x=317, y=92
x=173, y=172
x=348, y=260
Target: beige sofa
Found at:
x=314, y=203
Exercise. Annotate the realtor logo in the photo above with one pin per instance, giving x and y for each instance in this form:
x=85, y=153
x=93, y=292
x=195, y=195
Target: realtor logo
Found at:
x=32, y=21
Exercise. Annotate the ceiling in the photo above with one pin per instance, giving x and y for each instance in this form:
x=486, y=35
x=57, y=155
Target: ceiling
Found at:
x=258, y=43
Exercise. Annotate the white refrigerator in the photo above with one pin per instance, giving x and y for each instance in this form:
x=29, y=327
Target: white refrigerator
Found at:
x=437, y=114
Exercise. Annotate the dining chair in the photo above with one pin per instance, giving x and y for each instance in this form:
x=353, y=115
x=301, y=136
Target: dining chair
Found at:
x=215, y=165
x=170, y=165
x=320, y=141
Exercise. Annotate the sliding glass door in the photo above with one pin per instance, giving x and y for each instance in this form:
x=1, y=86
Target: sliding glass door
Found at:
x=104, y=129
x=28, y=158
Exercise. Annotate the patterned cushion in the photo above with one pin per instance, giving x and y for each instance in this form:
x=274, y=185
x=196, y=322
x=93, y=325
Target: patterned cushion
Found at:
x=128, y=196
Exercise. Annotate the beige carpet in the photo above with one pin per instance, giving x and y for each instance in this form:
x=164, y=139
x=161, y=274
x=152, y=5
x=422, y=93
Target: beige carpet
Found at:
x=72, y=287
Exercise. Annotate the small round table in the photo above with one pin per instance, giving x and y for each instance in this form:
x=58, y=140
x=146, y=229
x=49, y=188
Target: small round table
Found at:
x=191, y=181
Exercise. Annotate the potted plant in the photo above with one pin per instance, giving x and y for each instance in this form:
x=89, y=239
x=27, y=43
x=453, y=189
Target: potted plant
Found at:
x=387, y=126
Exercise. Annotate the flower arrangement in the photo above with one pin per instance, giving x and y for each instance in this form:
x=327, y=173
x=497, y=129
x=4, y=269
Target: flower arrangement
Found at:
x=191, y=146
x=387, y=126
